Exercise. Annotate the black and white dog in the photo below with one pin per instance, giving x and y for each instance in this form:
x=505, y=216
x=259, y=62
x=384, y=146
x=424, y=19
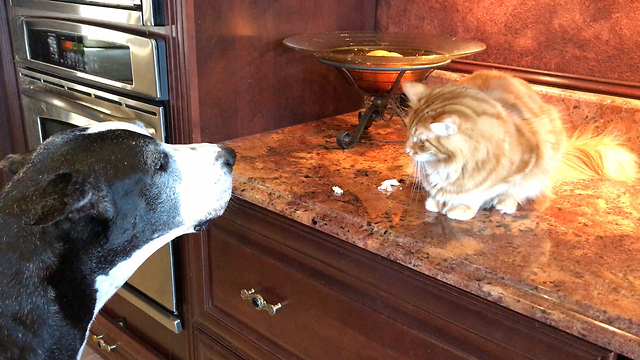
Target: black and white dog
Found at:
x=86, y=209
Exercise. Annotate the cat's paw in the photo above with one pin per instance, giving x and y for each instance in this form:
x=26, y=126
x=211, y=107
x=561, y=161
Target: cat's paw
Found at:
x=432, y=205
x=506, y=205
x=461, y=212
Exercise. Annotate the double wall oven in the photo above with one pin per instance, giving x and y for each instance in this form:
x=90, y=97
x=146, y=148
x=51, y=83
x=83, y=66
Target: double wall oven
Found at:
x=82, y=62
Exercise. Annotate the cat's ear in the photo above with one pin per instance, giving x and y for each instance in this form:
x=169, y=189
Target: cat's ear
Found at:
x=446, y=126
x=415, y=91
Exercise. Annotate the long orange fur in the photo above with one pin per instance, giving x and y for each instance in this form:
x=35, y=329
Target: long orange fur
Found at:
x=489, y=140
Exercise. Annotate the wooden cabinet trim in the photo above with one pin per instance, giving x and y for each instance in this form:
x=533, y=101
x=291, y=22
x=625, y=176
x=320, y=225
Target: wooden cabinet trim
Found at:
x=559, y=80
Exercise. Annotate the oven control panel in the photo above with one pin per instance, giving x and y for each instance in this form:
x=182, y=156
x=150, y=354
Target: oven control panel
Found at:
x=80, y=53
x=94, y=55
x=72, y=51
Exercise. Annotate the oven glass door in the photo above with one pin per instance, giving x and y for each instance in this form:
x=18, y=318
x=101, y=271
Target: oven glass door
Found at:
x=49, y=126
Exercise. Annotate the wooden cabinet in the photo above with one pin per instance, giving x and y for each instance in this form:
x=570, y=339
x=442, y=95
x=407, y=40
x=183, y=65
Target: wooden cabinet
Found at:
x=339, y=301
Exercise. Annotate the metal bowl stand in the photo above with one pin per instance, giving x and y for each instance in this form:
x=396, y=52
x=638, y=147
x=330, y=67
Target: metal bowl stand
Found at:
x=383, y=106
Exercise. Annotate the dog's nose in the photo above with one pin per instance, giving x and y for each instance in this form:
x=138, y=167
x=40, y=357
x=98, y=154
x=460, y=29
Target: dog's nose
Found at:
x=228, y=155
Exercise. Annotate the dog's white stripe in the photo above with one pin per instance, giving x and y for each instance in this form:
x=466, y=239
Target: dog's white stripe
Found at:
x=107, y=285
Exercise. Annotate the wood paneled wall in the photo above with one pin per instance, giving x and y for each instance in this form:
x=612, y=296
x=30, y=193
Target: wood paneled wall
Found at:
x=249, y=82
x=11, y=134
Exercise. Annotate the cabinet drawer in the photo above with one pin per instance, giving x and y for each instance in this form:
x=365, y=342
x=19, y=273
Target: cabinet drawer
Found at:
x=313, y=322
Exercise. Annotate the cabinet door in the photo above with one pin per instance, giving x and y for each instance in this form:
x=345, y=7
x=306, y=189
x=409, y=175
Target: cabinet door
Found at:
x=313, y=321
x=209, y=349
x=339, y=301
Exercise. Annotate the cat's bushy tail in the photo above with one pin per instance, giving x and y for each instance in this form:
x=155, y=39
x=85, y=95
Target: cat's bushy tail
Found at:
x=589, y=154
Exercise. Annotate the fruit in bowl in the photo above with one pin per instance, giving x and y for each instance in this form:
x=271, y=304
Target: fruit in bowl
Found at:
x=383, y=53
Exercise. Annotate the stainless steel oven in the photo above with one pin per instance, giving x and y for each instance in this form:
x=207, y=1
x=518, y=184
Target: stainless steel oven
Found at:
x=110, y=59
x=50, y=105
x=130, y=12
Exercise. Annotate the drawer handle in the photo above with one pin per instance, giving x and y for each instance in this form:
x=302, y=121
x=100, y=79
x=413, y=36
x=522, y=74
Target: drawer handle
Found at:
x=101, y=344
x=259, y=302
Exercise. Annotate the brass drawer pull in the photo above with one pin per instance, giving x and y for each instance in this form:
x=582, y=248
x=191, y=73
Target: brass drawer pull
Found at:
x=259, y=302
x=101, y=344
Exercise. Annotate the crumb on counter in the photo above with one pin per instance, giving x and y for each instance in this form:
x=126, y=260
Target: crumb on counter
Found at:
x=387, y=185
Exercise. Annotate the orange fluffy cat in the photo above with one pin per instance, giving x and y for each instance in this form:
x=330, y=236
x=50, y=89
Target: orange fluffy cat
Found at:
x=489, y=140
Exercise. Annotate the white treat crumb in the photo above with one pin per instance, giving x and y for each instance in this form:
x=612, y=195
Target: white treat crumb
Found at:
x=337, y=190
x=387, y=184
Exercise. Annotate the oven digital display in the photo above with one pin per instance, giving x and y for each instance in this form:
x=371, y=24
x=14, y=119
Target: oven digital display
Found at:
x=70, y=46
x=76, y=52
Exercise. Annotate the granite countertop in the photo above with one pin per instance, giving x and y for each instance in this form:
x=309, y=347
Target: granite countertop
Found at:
x=570, y=261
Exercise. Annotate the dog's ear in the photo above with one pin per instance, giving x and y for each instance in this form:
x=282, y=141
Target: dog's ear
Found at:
x=15, y=162
x=65, y=197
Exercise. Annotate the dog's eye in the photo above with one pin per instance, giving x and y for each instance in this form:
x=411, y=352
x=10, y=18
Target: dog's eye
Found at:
x=163, y=164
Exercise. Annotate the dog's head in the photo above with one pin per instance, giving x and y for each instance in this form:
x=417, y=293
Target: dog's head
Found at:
x=121, y=179
x=85, y=209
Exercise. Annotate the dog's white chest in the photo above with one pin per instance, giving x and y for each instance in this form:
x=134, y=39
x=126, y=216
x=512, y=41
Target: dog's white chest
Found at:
x=107, y=285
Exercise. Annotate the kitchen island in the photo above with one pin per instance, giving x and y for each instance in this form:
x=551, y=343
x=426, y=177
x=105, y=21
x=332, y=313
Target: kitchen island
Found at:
x=569, y=260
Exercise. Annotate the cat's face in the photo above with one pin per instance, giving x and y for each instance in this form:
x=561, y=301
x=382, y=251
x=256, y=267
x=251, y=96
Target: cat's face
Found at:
x=448, y=124
x=432, y=139
x=432, y=133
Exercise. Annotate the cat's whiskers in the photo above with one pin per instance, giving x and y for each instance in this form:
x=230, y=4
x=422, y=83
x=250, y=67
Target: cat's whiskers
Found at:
x=415, y=175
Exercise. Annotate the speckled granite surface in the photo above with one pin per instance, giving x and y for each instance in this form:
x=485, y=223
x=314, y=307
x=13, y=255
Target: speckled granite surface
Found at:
x=570, y=261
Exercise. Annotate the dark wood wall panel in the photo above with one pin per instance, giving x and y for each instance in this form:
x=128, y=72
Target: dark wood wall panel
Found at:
x=11, y=134
x=249, y=82
x=579, y=37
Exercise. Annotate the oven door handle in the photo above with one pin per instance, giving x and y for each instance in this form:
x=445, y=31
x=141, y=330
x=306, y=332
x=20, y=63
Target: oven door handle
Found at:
x=75, y=107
